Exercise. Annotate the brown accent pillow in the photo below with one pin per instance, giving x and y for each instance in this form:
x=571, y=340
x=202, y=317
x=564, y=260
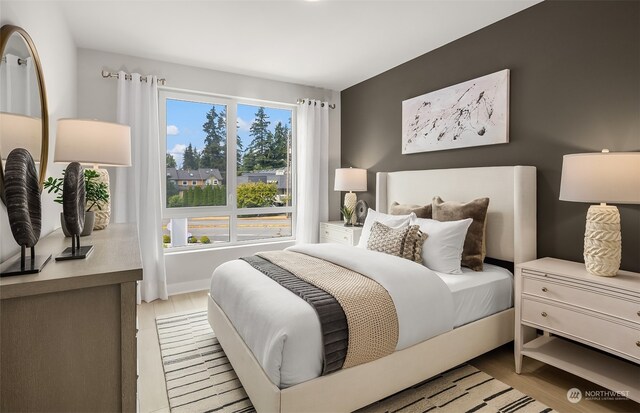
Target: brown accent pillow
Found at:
x=474, y=244
x=421, y=211
x=403, y=242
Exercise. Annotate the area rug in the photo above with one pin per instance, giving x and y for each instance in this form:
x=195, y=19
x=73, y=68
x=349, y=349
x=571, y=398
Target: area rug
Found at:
x=200, y=378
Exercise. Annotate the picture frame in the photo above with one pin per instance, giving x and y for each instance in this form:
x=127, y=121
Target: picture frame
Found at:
x=467, y=114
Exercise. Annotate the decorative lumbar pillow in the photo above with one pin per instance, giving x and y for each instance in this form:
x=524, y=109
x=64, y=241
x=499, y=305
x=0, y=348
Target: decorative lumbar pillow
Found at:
x=394, y=221
x=474, y=244
x=405, y=242
x=413, y=244
x=442, y=249
x=421, y=211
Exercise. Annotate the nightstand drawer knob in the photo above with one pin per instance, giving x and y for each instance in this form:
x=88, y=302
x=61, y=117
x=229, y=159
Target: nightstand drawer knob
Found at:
x=638, y=313
x=638, y=343
x=544, y=289
x=544, y=314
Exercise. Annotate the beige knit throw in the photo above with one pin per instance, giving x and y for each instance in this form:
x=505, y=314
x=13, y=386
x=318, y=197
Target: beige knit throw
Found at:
x=371, y=314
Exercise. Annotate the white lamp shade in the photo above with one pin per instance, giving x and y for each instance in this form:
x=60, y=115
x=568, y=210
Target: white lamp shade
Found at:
x=93, y=142
x=601, y=177
x=19, y=131
x=351, y=179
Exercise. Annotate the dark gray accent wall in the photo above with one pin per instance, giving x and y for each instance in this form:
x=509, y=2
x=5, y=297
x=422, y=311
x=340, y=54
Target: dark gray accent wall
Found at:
x=575, y=87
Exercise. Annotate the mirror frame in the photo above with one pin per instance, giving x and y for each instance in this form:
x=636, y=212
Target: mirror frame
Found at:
x=5, y=34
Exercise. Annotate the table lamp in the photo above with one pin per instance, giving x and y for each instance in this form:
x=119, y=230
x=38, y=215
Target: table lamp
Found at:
x=351, y=179
x=95, y=143
x=601, y=178
x=20, y=131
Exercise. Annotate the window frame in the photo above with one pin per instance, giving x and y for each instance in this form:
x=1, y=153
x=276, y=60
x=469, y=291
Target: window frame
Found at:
x=230, y=210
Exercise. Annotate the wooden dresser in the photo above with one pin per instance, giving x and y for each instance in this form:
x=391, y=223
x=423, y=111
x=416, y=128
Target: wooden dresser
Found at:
x=591, y=324
x=68, y=334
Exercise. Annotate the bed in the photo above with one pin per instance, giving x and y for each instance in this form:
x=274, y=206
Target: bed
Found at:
x=483, y=320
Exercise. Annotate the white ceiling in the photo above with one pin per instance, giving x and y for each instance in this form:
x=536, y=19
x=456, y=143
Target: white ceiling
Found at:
x=329, y=44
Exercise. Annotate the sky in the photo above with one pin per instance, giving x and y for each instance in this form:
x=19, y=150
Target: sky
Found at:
x=185, y=120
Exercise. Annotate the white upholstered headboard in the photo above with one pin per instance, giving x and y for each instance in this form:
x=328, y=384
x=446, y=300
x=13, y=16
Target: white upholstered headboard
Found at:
x=511, y=221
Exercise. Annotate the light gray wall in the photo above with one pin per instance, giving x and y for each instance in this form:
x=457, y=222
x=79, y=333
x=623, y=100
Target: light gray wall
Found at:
x=575, y=87
x=57, y=50
x=97, y=99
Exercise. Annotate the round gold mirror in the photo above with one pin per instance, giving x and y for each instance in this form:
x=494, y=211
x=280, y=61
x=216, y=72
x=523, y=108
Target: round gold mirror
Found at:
x=24, y=120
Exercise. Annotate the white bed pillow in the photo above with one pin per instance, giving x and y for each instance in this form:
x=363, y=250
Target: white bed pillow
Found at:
x=393, y=221
x=442, y=250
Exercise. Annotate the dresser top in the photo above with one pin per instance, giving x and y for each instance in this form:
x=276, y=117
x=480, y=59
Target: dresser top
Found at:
x=625, y=279
x=341, y=225
x=115, y=259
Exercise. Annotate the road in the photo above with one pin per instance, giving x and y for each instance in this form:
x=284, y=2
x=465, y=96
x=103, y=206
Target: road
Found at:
x=217, y=228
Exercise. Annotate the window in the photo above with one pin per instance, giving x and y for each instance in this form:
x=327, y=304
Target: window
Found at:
x=226, y=185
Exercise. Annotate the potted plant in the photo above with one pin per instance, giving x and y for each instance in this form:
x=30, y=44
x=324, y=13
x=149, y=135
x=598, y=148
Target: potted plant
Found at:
x=347, y=214
x=96, y=193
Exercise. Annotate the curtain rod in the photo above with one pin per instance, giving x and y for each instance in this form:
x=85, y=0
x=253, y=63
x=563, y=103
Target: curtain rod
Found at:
x=331, y=105
x=106, y=74
x=21, y=61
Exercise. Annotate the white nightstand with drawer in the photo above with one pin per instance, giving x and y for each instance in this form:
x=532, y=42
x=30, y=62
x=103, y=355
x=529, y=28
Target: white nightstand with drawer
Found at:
x=566, y=302
x=335, y=231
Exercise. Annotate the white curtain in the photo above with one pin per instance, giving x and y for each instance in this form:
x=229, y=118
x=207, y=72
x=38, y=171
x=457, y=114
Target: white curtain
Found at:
x=312, y=169
x=33, y=91
x=138, y=196
x=14, y=90
x=20, y=92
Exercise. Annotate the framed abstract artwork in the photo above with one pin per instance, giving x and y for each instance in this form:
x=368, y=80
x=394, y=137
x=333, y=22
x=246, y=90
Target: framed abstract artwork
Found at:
x=471, y=113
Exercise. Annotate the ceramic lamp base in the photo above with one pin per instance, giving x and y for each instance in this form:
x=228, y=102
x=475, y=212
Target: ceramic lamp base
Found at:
x=103, y=214
x=602, y=241
x=350, y=200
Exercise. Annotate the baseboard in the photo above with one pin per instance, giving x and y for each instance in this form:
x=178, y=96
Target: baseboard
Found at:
x=188, y=286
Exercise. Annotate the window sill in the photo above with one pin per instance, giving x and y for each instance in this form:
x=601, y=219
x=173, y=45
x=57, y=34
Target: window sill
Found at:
x=225, y=246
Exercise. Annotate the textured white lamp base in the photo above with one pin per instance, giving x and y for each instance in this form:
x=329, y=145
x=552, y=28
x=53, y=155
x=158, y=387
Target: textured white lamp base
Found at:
x=350, y=200
x=103, y=214
x=602, y=240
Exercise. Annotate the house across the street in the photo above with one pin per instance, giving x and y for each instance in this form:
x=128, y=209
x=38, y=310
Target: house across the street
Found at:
x=188, y=178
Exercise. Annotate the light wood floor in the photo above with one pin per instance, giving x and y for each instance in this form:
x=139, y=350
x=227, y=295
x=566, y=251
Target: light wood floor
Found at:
x=542, y=382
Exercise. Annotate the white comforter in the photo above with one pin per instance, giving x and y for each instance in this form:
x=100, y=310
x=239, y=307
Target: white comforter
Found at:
x=283, y=331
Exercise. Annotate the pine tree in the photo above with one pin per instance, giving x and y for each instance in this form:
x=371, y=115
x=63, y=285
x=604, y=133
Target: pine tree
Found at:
x=191, y=158
x=280, y=146
x=220, y=195
x=214, y=154
x=171, y=161
x=239, y=150
x=208, y=195
x=188, y=197
x=198, y=156
x=258, y=153
x=198, y=199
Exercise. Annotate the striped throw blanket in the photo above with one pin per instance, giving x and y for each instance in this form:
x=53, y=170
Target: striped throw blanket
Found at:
x=357, y=315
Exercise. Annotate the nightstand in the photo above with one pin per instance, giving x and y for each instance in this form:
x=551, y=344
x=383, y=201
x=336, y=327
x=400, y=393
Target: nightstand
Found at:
x=335, y=231
x=590, y=324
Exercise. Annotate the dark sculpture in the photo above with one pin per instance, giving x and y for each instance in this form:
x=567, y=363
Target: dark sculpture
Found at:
x=22, y=196
x=362, y=208
x=73, y=206
x=73, y=198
